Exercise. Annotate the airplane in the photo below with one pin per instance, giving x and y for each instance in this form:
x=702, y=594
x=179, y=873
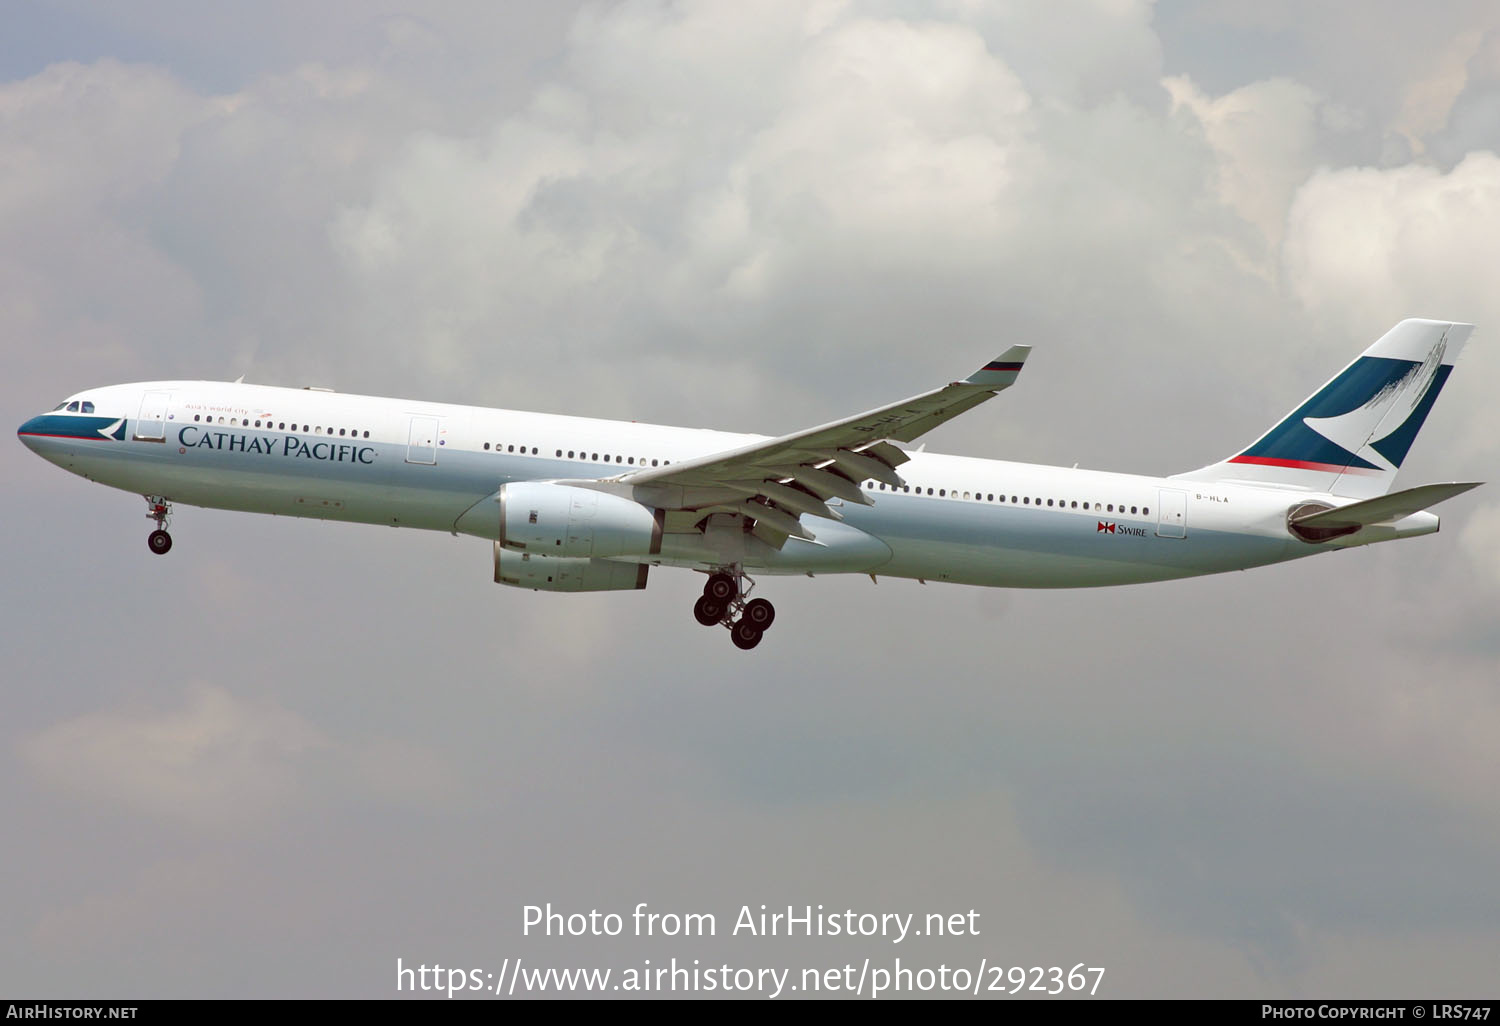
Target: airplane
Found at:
x=573, y=504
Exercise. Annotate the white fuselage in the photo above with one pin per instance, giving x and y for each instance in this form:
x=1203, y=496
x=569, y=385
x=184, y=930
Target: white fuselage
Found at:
x=312, y=453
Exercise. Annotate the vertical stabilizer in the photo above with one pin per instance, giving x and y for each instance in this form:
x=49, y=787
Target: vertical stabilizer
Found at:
x=1351, y=436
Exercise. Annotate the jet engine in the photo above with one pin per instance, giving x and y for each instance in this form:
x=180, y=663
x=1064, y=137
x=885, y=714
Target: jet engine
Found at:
x=563, y=520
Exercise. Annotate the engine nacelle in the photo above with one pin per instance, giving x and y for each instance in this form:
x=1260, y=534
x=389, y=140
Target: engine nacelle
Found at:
x=563, y=520
x=559, y=573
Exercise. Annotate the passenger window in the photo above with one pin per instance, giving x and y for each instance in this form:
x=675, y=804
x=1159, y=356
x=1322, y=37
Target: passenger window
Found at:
x=1145, y=511
x=1132, y=509
x=653, y=463
x=1075, y=503
x=533, y=450
x=942, y=493
x=1049, y=502
x=486, y=446
x=195, y=416
x=1026, y=501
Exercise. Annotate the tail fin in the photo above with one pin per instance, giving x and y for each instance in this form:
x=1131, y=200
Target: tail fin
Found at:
x=1351, y=436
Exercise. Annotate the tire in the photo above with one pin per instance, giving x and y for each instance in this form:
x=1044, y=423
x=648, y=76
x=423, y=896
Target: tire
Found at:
x=721, y=588
x=760, y=613
x=160, y=542
x=708, y=612
x=745, y=635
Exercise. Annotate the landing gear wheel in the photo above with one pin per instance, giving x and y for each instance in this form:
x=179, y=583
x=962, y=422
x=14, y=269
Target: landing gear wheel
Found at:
x=760, y=613
x=746, y=635
x=721, y=588
x=708, y=612
x=160, y=511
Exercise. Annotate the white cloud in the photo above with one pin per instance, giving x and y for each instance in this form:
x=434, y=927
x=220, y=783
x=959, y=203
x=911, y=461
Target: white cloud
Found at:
x=1398, y=242
x=1266, y=137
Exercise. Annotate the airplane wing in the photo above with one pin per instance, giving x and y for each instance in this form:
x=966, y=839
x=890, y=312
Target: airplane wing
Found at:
x=775, y=481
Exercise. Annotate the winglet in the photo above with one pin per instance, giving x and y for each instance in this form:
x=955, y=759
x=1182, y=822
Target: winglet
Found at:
x=1002, y=370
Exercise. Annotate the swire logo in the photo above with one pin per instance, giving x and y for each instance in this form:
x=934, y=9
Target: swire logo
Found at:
x=1106, y=527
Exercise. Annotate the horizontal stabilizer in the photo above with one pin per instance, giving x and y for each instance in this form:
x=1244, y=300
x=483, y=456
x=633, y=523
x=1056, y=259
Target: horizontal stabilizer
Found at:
x=1385, y=509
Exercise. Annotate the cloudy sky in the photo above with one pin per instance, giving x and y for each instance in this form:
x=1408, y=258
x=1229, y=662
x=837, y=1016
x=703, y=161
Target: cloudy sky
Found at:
x=289, y=753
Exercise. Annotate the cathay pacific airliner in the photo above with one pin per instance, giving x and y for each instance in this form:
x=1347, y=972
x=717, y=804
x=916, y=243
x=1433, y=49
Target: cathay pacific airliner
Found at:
x=578, y=504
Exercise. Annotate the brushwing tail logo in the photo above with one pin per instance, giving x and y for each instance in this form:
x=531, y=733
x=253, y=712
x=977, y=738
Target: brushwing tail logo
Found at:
x=1403, y=396
x=1332, y=432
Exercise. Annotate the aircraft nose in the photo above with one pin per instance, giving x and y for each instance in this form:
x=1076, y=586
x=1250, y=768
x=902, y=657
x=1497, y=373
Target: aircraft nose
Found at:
x=30, y=433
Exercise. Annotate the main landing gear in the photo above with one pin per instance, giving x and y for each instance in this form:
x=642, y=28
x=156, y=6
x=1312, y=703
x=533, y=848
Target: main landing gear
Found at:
x=723, y=602
x=159, y=541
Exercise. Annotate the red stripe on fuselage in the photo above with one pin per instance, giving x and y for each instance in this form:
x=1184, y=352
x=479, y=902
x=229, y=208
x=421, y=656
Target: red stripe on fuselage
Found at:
x=78, y=438
x=1326, y=468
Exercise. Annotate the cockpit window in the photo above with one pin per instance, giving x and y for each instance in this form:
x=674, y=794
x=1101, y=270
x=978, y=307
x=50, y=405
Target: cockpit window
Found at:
x=59, y=406
x=88, y=407
x=73, y=406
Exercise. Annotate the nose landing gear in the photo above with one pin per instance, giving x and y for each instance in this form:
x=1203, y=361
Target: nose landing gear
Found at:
x=724, y=603
x=159, y=541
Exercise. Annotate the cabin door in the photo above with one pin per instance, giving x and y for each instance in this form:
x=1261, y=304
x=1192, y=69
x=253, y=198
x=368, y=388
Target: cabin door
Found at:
x=1171, y=514
x=151, y=425
x=422, y=443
